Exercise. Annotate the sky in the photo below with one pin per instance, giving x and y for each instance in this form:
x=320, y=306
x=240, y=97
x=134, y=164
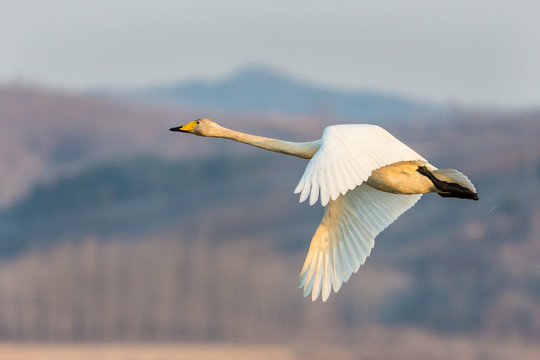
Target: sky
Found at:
x=479, y=53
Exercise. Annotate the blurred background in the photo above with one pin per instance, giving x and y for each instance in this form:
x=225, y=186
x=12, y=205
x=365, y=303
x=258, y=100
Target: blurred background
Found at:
x=130, y=241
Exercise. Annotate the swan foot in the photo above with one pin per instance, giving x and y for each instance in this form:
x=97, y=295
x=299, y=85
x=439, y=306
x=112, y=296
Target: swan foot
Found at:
x=448, y=189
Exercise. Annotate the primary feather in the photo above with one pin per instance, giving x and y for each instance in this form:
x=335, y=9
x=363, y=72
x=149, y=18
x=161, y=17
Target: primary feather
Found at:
x=346, y=235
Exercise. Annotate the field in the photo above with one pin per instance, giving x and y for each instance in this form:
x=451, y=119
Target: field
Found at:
x=143, y=352
x=377, y=343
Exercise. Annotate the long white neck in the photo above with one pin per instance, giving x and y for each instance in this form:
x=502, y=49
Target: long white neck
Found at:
x=304, y=150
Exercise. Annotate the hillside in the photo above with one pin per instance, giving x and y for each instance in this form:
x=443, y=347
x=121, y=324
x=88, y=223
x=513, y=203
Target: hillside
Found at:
x=119, y=215
x=46, y=134
x=449, y=265
x=143, y=196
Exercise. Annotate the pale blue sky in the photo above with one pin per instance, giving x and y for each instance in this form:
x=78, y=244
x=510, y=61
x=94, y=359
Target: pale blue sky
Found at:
x=484, y=52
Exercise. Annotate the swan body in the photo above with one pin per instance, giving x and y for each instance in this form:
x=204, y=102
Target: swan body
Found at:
x=365, y=177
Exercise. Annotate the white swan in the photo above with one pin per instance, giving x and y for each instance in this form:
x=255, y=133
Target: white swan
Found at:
x=365, y=177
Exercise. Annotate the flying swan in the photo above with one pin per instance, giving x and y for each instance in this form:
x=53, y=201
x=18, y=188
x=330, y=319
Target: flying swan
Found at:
x=365, y=178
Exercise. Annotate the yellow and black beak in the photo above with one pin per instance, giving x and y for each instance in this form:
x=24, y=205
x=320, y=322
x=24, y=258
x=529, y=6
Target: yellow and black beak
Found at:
x=185, y=128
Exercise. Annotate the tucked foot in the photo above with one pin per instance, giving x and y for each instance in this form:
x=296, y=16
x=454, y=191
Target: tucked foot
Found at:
x=446, y=188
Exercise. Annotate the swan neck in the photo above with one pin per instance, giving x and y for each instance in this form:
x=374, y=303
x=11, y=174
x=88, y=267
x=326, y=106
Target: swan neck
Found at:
x=305, y=150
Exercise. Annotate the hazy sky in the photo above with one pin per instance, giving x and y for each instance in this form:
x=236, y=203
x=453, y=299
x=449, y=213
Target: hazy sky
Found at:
x=475, y=52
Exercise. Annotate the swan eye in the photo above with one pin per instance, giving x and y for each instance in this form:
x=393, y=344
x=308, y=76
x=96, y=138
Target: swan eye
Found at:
x=198, y=122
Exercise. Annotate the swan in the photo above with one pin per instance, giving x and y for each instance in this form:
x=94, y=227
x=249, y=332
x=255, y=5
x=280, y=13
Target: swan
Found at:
x=365, y=177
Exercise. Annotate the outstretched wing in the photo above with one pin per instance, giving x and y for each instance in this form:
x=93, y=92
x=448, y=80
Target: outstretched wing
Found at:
x=346, y=235
x=346, y=158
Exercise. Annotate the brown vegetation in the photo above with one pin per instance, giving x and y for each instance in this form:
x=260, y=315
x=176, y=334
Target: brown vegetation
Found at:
x=46, y=134
x=168, y=290
x=226, y=271
x=373, y=343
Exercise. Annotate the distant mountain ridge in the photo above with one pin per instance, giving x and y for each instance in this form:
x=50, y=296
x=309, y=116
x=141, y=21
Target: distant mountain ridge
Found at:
x=258, y=89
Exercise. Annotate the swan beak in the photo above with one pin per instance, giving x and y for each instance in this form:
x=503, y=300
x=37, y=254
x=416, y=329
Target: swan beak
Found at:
x=185, y=128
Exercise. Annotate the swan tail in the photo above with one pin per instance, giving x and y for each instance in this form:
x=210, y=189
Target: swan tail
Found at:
x=455, y=184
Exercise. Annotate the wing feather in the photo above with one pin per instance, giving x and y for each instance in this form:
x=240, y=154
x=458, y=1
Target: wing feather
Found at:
x=314, y=194
x=347, y=156
x=345, y=237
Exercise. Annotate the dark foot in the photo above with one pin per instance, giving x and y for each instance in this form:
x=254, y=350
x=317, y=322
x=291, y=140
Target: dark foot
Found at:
x=448, y=189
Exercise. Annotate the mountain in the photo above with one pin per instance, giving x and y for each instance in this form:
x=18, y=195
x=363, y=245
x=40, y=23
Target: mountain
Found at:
x=259, y=90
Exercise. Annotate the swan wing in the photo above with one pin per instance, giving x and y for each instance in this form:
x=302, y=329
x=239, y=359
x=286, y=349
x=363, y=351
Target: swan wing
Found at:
x=347, y=156
x=346, y=235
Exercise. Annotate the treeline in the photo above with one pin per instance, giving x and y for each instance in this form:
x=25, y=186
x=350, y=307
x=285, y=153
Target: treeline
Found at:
x=166, y=289
x=173, y=289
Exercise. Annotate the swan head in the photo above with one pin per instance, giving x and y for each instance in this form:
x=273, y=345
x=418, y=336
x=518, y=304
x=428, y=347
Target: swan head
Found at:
x=201, y=127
